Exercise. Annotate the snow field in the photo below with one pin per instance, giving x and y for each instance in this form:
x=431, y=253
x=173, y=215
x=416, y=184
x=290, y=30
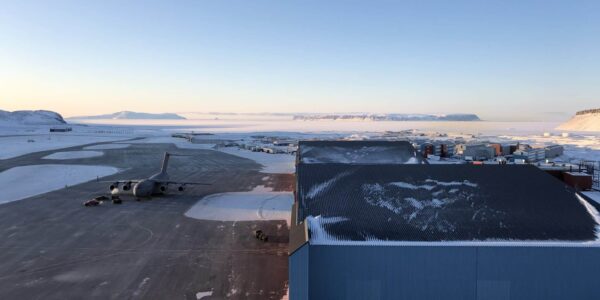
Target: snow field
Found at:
x=257, y=205
x=28, y=181
x=14, y=146
x=73, y=155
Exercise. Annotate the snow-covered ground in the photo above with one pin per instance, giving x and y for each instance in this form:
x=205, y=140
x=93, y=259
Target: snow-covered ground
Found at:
x=14, y=146
x=73, y=155
x=577, y=146
x=273, y=163
x=107, y=146
x=178, y=142
x=36, y=138
x=259, y=204
x=27, y=181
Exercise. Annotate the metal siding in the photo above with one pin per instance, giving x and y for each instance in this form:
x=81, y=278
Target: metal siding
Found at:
x=542, y=272
x=452, y=272
x=337, y=272
x=298, y=272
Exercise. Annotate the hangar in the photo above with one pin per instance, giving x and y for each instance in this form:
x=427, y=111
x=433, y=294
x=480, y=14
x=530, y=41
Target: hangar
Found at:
x=356, y=152
x=414, y=231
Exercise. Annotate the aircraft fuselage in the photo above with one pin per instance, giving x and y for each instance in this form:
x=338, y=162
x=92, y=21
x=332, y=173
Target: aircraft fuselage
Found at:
x=146, y=188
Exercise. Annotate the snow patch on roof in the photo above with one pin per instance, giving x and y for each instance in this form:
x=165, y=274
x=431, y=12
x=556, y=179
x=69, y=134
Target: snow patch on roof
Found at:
x=316, y=226
x=472, y=243
x=407, y=185
x=452, y=183
x=322, y=187
x=423, y=207
x=593, y=212
x=357, y=152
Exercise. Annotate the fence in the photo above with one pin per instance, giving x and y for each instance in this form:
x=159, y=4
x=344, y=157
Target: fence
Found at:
x=593, y=168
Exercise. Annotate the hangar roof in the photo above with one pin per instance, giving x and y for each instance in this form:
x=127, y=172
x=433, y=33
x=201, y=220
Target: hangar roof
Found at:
x=357, y=152
x=344, y=202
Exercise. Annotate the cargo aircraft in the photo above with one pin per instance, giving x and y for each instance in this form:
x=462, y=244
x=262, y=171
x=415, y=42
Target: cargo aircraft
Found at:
x=156, y=184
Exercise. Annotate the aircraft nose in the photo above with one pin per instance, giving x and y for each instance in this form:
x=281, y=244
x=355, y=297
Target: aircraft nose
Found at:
x=135, y=190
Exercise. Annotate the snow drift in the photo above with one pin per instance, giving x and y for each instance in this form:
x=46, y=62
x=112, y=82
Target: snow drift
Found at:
x=257, y=205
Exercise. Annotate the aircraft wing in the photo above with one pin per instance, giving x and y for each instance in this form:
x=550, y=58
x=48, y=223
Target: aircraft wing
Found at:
x=185, y=183
x=123, y=181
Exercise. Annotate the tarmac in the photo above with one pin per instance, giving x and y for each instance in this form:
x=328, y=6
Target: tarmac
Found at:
x=52, y=247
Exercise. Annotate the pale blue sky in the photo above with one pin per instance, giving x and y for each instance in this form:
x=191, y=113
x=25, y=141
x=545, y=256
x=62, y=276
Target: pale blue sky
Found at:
x=504, y=60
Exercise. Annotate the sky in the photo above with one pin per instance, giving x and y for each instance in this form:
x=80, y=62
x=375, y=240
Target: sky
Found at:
x=503, y=60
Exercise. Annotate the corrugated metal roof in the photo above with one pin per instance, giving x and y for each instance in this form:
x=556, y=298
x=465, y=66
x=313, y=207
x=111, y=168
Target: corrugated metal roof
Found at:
x=440, y=203
x=358, y=152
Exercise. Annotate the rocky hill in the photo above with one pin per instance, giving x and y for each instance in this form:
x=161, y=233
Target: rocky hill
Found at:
x=388, y=117
x=585, y=120
x=130, y=115
x=30, y=117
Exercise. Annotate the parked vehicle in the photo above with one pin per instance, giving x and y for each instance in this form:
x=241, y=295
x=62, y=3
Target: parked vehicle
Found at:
x=259, y=234
x=92, y=202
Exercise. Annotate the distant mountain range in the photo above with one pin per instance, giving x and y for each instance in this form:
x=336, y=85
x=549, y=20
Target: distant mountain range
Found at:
x=130, y=115
x=388, y=117
x=585, y=120
x=30, y=117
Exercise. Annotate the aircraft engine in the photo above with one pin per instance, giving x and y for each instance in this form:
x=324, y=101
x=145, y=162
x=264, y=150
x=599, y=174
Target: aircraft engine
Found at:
x=127, y=186
x=181, y=188
x=113, y=186
x=163, y=188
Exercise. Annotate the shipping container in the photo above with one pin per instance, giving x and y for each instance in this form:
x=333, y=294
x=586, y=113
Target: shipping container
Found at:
x=578, y=180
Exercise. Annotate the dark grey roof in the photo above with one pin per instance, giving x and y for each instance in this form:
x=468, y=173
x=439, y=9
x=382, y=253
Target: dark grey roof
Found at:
x=441, y=203
x=357, y=152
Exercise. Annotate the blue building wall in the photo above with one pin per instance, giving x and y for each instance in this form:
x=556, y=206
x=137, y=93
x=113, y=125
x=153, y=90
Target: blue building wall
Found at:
x=298, y=273
x=445, y=272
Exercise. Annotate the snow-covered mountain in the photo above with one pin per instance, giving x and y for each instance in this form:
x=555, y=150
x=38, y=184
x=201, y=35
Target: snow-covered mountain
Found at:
x=30, y=117
x=130, y=115
x=585, y=120
x=388, y=117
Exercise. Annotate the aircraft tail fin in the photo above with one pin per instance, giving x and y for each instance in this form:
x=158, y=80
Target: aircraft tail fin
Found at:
x=165, y=163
